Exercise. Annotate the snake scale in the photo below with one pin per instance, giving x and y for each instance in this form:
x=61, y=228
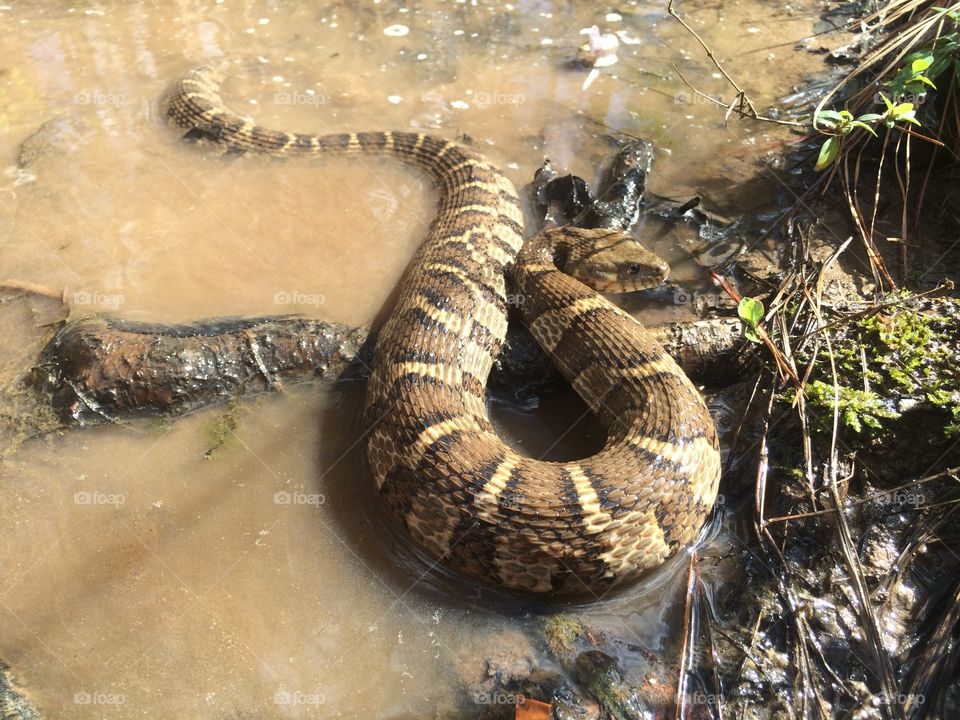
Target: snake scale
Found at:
x=465, y=497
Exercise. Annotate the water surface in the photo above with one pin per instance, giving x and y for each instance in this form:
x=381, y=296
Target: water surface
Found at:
x=143, y=578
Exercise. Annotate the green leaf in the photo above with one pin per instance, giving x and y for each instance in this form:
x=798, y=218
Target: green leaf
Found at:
x=908, y=117
x=828, y=153
x=943, y=61
x=921, y=64
x=886, y=101
x=869, y=117
x=750, y=311
x=925, y=81
x=857, y=123
x=943, y=51
x=904, y=112
x=829, y=115
x=828, y=118
x=752, y=336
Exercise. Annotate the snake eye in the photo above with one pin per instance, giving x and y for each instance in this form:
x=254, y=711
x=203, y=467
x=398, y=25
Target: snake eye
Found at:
x=634, y=268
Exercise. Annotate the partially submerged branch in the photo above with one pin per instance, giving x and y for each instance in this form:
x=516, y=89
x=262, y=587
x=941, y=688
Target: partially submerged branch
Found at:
x=104, y=368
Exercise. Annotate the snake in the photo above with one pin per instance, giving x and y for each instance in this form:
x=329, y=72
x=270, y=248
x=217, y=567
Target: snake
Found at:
x=468, y=499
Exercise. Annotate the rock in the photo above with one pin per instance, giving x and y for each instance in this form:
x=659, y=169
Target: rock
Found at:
x=493, y=669
x=58, y=135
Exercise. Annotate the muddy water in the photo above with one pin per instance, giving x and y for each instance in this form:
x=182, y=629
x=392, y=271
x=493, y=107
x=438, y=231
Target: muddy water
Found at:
x=146, y=577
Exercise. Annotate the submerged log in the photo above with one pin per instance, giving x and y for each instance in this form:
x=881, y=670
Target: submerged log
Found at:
x=103, y=368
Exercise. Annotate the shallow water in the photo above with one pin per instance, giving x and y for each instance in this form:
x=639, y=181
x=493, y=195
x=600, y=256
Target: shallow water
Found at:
x=144, y=579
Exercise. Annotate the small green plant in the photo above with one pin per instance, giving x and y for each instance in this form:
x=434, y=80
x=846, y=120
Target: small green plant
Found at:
x=837, y=125
x=750, y=311
x=921, y=68
x=905, y=90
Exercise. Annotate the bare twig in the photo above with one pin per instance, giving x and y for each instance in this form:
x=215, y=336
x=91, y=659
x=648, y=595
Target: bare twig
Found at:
x=736, y=105
x=741, y=103
x=685, y=650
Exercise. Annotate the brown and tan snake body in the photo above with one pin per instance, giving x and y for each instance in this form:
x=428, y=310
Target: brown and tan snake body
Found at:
x=465, y=497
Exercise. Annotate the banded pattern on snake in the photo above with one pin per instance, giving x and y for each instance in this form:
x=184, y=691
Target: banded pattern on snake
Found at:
x=465, y=497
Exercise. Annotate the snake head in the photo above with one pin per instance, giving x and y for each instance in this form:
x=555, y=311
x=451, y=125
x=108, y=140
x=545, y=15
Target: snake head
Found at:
x=612, y=261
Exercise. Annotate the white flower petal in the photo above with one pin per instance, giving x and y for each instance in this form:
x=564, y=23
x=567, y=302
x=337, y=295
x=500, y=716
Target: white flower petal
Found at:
x=593, y=75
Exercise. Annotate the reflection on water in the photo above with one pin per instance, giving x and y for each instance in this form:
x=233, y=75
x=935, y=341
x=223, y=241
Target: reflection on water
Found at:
x=143, y=580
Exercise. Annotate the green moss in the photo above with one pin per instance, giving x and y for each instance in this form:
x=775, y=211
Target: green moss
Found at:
x=562, y=633
x=601, y=677
x=221, y=431
x=858, y=409
x=161, y=424
x=897, y=354
x=949, y=401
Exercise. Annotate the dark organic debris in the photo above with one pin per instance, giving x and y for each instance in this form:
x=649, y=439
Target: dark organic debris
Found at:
x=568, y=200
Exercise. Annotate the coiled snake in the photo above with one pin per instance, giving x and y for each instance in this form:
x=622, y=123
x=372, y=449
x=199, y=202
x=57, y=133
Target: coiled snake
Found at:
x=465, y=497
